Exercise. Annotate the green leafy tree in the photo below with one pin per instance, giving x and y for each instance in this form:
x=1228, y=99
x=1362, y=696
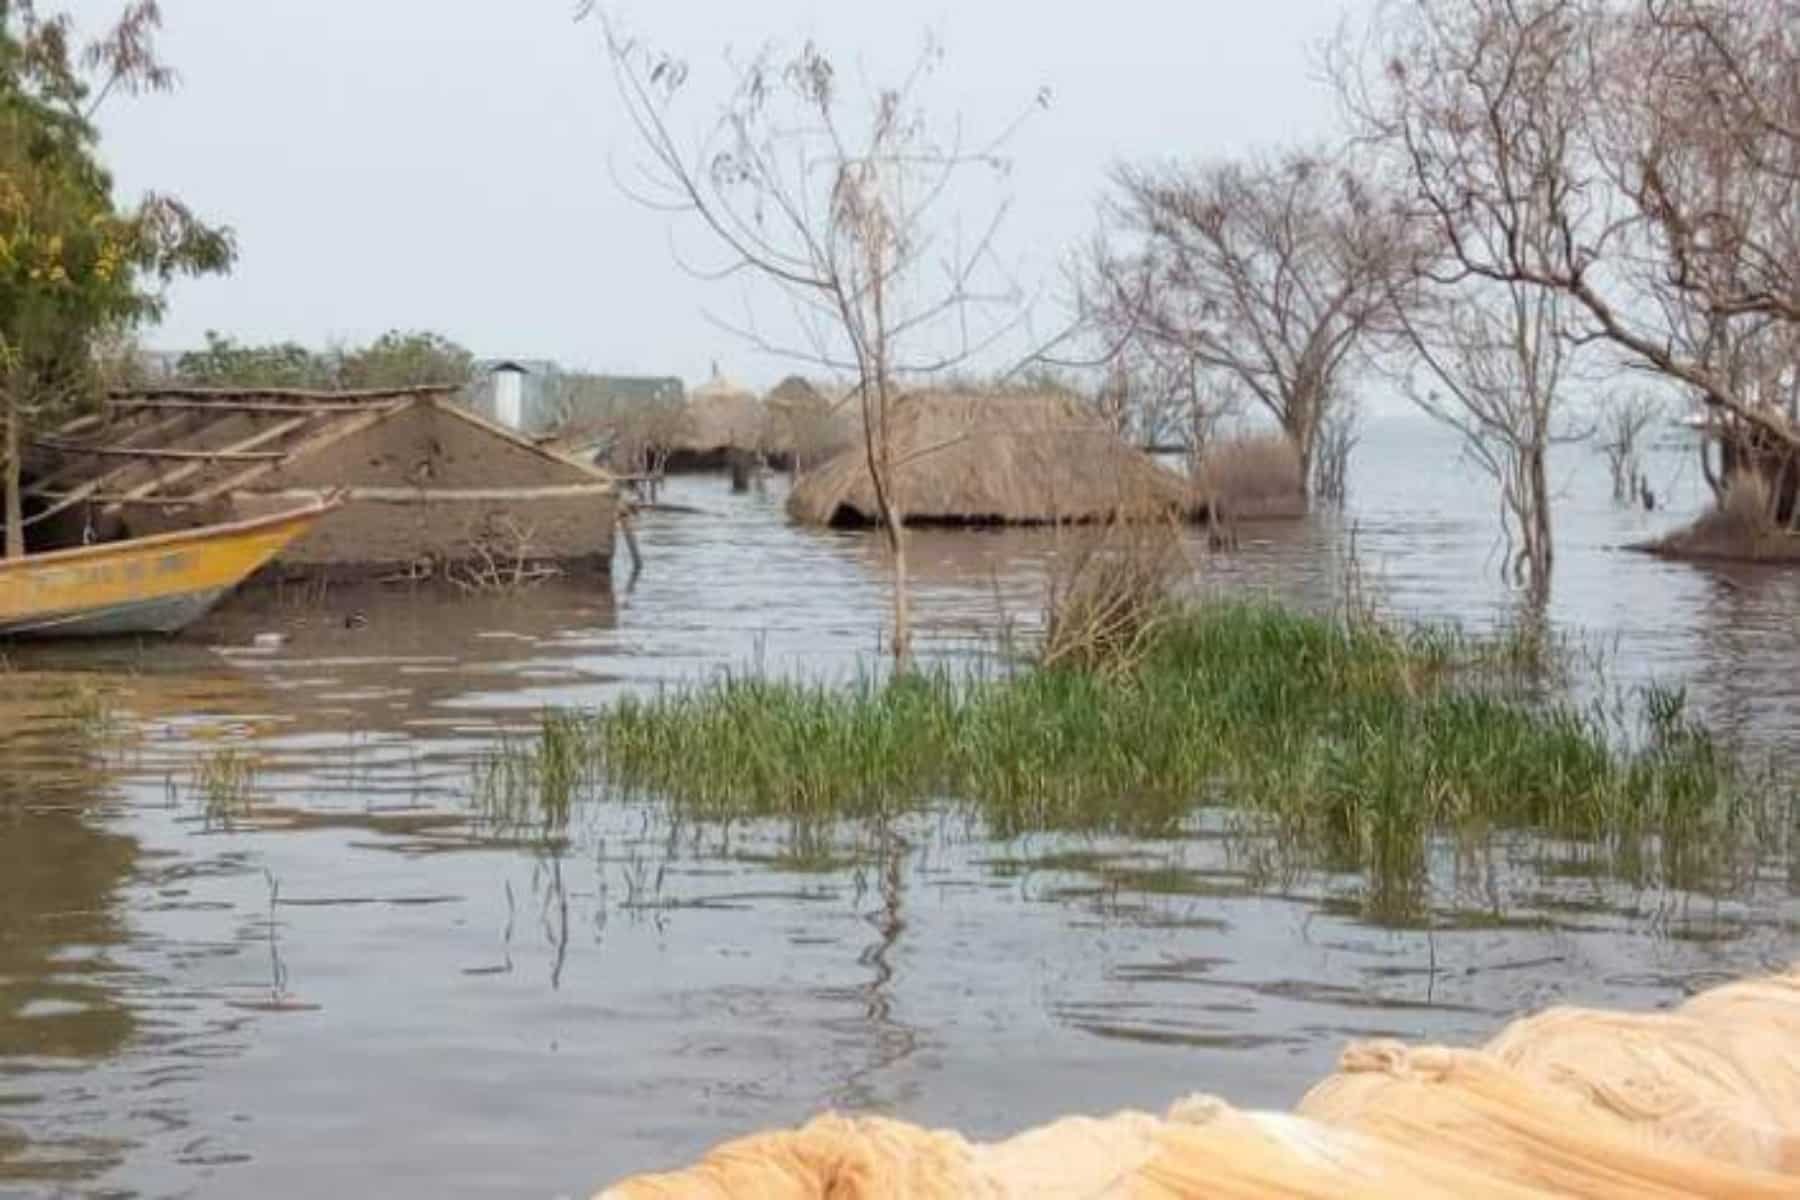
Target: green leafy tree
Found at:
x=227, y=363
x=397, y=359
x=75, y=267
x=394, y=359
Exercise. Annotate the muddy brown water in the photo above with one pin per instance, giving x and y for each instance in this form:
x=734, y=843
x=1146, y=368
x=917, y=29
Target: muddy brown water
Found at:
x=254, y=937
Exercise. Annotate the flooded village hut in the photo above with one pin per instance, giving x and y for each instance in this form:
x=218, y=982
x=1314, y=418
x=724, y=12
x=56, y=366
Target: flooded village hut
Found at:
x=430, y=484
x=808, y=423
x=721, y=419
x=979, y=458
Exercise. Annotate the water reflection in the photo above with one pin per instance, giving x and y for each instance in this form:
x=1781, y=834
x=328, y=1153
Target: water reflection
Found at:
x=891, y=1041
x=300, y=935
x=63, y=1000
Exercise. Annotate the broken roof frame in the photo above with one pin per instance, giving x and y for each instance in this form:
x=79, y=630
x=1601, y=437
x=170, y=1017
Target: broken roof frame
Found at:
x=310, y=421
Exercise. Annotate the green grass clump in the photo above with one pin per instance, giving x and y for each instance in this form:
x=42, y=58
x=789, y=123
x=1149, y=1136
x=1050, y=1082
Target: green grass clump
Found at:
x=1361, y=739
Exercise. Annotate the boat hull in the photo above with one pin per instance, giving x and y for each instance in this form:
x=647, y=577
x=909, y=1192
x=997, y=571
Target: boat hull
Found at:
x=169, y=614
x=155, y=585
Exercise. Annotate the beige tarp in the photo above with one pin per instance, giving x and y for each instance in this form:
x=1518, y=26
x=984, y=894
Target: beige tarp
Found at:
x=1700, y=1102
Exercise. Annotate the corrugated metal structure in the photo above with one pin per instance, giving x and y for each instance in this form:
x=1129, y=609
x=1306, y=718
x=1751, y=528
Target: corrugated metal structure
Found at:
x=551, y=400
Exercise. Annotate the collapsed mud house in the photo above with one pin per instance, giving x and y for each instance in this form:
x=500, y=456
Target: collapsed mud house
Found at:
x=433, y=490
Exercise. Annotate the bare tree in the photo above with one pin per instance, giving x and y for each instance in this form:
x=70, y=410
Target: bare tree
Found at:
x=1638, y=159
x=1709, y=155
x=1493, y=348
x=1339, y=432
x=1624, y=416
x=1163, y=402
x=1268, y=272
x=1705, y=140
x=1497, y=361
x=851, y=208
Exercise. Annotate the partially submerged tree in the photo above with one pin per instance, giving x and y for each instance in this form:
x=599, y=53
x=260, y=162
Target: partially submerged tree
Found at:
x=852, y=208
x=1269, y=273
x=1492, y=348
x=1624, y=417
x=1641, y=161
x=1162, y=399
x=1496, y=365
x=74, y=267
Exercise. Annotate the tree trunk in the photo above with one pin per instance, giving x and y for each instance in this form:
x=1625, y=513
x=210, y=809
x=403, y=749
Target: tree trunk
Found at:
x=1749, y=451
x=15, y=510
x=1542, y=550
x=740, y=470
x=896, y=531
x=1303, y=443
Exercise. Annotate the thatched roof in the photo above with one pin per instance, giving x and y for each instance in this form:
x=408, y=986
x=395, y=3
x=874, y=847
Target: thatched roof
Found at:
x=810, y=422
x=721, y=415
x=993, y=458
x=796, y=393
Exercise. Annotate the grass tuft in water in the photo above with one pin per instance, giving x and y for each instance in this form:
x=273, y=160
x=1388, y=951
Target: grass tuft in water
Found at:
x=225, y=781
x=1359, y=739
x=526, y=788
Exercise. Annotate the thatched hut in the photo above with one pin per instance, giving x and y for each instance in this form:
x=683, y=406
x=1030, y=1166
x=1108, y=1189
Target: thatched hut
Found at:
x=977, y=458
x=808, y=423
x=722, y=418
x=795, y=394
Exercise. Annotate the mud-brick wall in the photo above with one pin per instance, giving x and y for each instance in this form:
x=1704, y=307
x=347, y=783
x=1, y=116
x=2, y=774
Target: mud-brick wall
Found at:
x=428, y=449
x=370, y=535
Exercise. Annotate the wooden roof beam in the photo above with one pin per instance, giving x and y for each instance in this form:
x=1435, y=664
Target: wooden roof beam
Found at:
x=74, y=468
x=97, y=486
x=157, y=452
x=240, y=406
x=184, y=392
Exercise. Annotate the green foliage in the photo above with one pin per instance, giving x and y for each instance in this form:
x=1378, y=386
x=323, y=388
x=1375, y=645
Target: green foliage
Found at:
x=1357, y=741
x=71, y=262
x=74, y=266
x=225, y=362
x=395, y=359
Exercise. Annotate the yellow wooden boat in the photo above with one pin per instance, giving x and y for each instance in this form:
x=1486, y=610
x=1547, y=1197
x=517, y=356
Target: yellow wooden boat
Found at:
x=142, y=585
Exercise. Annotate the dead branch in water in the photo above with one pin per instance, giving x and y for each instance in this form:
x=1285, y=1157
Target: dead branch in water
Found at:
x=500, y=559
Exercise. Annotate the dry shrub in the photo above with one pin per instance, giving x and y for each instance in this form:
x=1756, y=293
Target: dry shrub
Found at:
x=500, y=556
x=1741, y=526
x=1747, y=506
x=1249, y=476
x=1111, y=586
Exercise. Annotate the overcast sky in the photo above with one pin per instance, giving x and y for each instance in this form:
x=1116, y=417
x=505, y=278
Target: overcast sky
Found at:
x=443, y=164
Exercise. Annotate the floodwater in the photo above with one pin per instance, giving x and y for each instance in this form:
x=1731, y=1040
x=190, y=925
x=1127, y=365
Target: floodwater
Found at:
x=256, y=936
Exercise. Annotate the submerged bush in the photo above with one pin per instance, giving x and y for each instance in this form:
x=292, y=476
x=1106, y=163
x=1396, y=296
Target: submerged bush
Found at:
x=1112, y=585
x=1359, y=740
